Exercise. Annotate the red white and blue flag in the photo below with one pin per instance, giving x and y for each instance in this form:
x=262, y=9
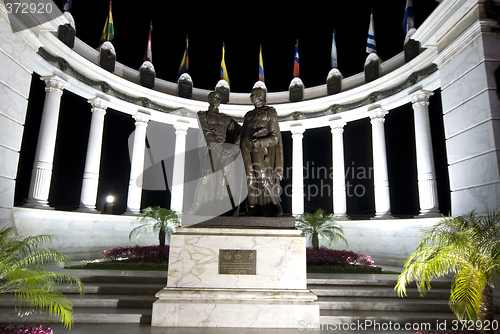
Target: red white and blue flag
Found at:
x=296, y=67
x=67, y=5
x=148, y=54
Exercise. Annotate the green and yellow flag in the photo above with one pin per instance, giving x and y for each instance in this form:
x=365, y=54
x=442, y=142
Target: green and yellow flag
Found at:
x=108, y=33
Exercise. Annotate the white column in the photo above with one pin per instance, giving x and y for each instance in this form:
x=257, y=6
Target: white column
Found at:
x=137, y=164
x=427, y=187
x=297, y=170
x=338, y=170
x=380, y=174
x=90, y=182
x=177, y=193
x=41, y=176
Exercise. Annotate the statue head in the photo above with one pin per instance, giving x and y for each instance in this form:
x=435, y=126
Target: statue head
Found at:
x=214, y=99
x=258, y=97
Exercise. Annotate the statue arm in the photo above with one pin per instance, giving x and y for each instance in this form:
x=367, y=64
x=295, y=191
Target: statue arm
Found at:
x=273, y=137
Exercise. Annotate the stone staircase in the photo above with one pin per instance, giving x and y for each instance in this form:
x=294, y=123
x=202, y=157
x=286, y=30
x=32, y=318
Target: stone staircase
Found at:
x=343, y=299
x=107, y=299
x=369, y=299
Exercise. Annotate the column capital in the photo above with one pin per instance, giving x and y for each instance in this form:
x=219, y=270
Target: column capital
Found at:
x=377, y=115
x=98, y=104
x=141, y=118
x=297, y=130
x=421, y=97
x=53, y=84
x=337, y=125
x=181, y=127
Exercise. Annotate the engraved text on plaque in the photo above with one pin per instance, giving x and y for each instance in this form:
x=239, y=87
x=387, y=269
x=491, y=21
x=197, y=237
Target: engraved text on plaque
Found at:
x=237, y=261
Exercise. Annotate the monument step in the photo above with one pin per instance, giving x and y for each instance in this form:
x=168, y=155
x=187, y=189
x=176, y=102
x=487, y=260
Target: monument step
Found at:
x=383, y=304
x=375, y=291
x=95, y=300
x=124, y=279
x=82, y=315
x=116, y=289
x=342, y=316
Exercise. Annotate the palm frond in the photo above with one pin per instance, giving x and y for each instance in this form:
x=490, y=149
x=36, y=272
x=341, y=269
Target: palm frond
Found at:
x=54, y=302
x=466, y=293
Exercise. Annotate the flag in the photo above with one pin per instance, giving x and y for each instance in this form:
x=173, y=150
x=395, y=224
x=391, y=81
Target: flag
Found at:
x=296, y=67
x=185, y=61
x=148, y=53
x=409, y=17
x=223, y=69
x=261, y=66
x=108, y=33
x=334, y=52
x=371, y=46
x=67, y=5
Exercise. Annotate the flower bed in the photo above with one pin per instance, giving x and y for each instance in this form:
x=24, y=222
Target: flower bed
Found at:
x=137, y=254
x=333, y=257
x=25, y=329
x=325, y=260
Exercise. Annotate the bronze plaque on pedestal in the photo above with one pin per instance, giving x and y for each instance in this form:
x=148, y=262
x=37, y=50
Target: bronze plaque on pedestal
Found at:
x=237, y=261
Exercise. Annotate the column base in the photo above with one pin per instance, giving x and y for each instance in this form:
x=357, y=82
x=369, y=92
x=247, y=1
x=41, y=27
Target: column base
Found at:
x=37, y=204
x=130, y=212
x=86, y=209
x=432, y=213
x=341, y=216
x=383, y=215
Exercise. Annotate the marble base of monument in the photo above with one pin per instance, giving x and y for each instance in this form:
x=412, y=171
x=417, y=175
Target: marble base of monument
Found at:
x=236, y=277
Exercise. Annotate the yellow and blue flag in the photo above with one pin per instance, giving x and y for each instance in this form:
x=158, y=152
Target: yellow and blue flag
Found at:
x=261, y=66
x=223, y=69
x=185, y=61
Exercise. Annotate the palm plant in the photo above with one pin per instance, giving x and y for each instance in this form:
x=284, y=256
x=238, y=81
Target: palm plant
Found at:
x=320, y=225
x=469, y=247
x=22, y=274
x=156, y=220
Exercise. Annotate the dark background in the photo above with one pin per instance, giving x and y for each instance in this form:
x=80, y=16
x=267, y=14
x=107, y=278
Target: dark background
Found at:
x=243, y=27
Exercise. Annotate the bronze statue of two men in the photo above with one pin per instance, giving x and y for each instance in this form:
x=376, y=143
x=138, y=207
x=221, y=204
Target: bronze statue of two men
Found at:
x=260, y=145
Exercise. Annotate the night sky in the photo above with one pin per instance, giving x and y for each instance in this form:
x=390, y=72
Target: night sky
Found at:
x=242, y=29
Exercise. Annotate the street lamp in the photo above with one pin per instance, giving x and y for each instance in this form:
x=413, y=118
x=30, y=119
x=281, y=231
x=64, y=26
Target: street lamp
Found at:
x=109, y=204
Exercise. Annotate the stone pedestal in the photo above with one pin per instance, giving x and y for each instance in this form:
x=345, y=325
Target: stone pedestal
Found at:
x=411, y=49
x=267, y=290
x=66, y=34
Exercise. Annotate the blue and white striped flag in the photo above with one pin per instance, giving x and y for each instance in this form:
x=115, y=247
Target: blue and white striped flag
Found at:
x=409, y=17
x=334, y=53
x=371, y=46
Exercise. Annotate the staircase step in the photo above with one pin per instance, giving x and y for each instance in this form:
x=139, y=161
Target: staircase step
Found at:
x=95, y=300
x=124, y=279
x=116, y=289
x=370, y=291
x=432, y=318
x=83, y=315
x=383, y=304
